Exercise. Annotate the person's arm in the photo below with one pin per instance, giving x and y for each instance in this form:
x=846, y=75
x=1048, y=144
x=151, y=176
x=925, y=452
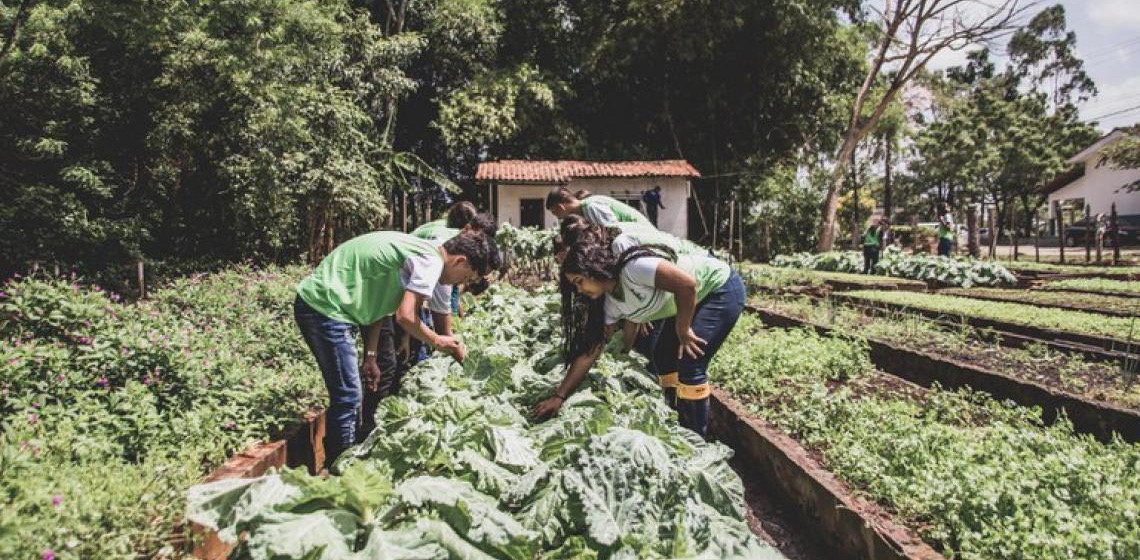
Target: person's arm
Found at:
x=442, y=323
x=629, y=335
x=573, y=378
x=371, y=371
x=684, y=289
x=408, y=318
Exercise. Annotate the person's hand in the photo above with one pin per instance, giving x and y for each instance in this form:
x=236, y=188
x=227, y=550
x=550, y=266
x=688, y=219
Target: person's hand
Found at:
x=548, y=407
x=643, y=329
x=371, y=373
x=689, y=343
x=451, y=346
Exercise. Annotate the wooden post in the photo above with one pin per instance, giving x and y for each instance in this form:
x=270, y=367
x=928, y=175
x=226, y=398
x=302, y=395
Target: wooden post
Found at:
x=1088, y=238
x=1015, y=255
x=973, y=240
x=142, y=280
x=731, y=222
x=739, y=232
x=1115, y=236
x=1060, y=229
x=1036, y=240
x=993, y=233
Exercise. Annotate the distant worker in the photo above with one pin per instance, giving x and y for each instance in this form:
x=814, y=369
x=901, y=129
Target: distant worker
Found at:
x=873, y=241
x=652, y=200
x=946, y=233
x=597, y=209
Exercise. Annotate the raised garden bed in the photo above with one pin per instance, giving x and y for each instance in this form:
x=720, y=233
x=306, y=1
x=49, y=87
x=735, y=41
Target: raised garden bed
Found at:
x=974, y=477
x=785, y=280
x=1091, y=303
x=1108, y=333
x=111, y=410
x=1099, y=419
x=1122, y=288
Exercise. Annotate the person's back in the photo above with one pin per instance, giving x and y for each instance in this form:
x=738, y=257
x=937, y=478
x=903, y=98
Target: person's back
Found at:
x=604, y=210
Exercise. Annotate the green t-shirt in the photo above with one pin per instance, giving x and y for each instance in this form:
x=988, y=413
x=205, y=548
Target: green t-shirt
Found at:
x=606, y=211
x=634, y=234
x=360, y=281
x=436, y=231
x=871, y=237
x=428, y=230
x=946, y=232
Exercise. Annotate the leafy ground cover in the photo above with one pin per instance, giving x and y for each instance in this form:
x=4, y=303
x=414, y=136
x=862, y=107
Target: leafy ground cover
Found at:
x=977, y=478
x=455, y=468
x=1080, y=301
x=110, y=410
x=1098, y=285
x=1070, y=268
x=1118, y=328
x=952, y=271
x=1103, y=381
x=779, y=279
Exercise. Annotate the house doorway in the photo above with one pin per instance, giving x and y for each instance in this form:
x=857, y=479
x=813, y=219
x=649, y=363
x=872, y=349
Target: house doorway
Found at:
x=531, y=212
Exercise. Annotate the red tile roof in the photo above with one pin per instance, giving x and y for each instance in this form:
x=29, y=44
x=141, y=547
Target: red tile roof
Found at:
x=561, y=171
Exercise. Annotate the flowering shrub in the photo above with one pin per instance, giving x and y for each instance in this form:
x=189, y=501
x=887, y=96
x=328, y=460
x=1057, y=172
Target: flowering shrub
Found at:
x=110, y=410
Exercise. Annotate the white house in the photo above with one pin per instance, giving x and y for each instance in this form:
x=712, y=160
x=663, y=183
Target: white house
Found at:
x=1094, y=184
x=517, y=188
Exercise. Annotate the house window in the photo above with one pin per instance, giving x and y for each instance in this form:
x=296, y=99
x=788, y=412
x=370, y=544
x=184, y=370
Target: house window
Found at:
x=530, y=212
x=633, y=200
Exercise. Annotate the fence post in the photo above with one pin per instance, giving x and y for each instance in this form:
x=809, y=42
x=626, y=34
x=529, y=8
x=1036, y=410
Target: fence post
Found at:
x=1060, y=228
x=1115, y=237
x=1088, y=240
x=142, y=280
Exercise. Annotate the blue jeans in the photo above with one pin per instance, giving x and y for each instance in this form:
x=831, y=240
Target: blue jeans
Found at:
x=333, y=343
x=644, y=343
x=713, y=320
x=945, y=246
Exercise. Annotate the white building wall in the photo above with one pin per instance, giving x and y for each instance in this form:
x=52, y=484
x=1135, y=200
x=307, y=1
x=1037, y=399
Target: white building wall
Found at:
x=674, y=218
x=1100, y=187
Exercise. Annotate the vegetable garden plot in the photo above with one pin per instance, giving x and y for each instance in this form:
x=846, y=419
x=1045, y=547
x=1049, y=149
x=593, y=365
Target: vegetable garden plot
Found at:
x=110, y=411
x=955, y=271
x=780, y=280
x=1095, y=285
x=977, y=478
x=1113, y=331
x=1103, y=381
x=1092, y=303
x=455, y=468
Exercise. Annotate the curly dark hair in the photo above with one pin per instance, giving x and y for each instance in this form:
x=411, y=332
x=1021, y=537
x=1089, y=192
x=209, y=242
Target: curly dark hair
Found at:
x=479, y=248
x=575, y=228
x=583, y=319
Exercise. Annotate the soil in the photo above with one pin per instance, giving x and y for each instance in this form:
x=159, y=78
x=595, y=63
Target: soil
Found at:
x=775, y=524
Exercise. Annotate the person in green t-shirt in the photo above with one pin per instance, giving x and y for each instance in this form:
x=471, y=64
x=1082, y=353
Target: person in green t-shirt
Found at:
x=872, y=243
x=699, y=298
x=597, y=209
x=946, y=234
x=459, y=215
x=364, y=280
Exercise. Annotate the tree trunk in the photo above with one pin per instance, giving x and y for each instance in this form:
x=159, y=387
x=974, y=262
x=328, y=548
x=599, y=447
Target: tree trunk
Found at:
x=888, y=208
x=1088, y=238
x=1036, y=241
x=855, y=207
x=973, y=241
x=994, y=230
x=831, y=200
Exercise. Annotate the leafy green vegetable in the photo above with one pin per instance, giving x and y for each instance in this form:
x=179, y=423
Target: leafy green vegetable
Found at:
x=455, y=465
x=953, y=271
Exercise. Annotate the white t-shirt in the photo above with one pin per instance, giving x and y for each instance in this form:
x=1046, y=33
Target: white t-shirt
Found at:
x=638, y=300
x=420, y=275
x=600, y=214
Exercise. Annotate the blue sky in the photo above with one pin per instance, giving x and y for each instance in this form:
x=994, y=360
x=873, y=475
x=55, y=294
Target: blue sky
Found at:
x=1108, y=40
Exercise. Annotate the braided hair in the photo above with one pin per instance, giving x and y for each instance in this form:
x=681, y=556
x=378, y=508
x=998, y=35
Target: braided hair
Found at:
x=583, y=319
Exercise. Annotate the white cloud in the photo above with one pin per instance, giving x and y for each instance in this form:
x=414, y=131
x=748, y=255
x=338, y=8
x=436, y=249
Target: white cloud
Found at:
x=1115, y=13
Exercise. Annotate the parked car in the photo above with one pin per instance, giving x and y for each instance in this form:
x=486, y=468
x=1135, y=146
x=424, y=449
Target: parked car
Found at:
x=1075, y=232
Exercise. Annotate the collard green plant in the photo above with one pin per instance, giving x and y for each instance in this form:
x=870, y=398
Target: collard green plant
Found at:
x=951, y=271
x=455, y=467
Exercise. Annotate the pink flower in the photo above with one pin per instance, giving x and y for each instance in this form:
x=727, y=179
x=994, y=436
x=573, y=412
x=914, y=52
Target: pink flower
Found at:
x=48, y=554
x=33, y=418
x=102, y=382
x=56, y=500
x=62, y=378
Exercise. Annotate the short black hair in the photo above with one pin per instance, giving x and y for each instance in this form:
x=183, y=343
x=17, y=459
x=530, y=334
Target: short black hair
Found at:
x=558, y=195
x=479, y=248
x=484, y=223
